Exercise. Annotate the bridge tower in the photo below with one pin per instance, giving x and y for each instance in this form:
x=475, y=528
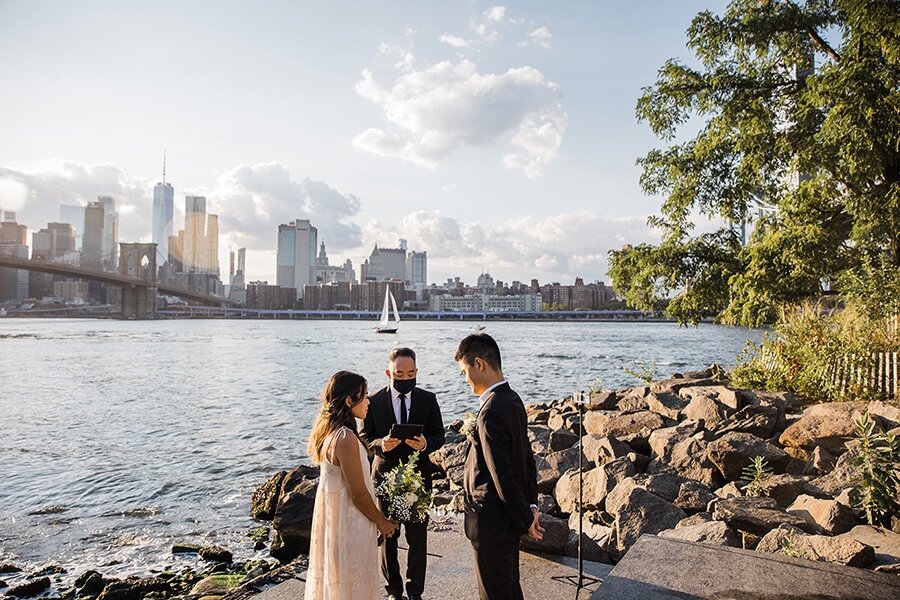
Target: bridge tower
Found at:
x=138, y=260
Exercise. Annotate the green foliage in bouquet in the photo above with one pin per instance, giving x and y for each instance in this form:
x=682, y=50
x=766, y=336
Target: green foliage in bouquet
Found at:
x=403, y=492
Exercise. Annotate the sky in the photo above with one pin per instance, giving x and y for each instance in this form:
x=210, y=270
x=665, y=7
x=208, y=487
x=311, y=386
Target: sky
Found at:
x=496, y=137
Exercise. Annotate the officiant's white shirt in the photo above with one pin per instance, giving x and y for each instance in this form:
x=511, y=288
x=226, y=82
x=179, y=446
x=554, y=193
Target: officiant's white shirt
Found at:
x=395, y=400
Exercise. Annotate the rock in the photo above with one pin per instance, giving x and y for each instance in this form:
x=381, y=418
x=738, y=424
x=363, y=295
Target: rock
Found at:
x=9, y=568
x=556, y=536
x=784, y=489
x=537, y=414
x=886, y=543
x=756, y=420
x=3, y=584
x=758, y=516
x=560, y=419
x=551, y=468
x=662, y=441
x=689, y=458
x=843, y=476
x=89, y=583
x=667, y=405
x=293, y=517
x=698, y=519
x=710, y=404
x=601, y=449
x=785, y=401
x=710, y=532
x=538, y=435
x=29, y=588
x=451, y=459
x=185, y=549
x=634, y=399
x=734, y=451
x=634, y=428
x=561, y=440
x=674, y=384
x=595, y=421
x=641, y=461
x=828, y=425
x=820, y=462
x=693, y=497
x=265, y=498
x=643, y=512
x=597, y=483
x=793, y=542
x=134, y=588
x=888, y=413
x=827, y=516
x=215, y=554
x=590, y=549
x=209, y=586
x=547, y=504
x=731, y=490
x=605, y=400
x=665, y=485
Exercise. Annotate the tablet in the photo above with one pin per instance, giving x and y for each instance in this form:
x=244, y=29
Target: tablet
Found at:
x=406, y=431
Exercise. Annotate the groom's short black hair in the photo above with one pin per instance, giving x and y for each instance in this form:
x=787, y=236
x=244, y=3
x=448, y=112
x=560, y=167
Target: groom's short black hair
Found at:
x=479, y=345
x=396, y=353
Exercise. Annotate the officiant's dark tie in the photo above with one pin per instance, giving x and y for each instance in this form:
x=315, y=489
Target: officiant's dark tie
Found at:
x=402, y=409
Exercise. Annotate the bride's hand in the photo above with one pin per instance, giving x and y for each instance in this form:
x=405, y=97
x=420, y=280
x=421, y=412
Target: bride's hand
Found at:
x=387, y=528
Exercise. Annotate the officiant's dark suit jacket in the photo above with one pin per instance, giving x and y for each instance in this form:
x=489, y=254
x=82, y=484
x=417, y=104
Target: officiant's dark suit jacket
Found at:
x=500, y=478
x=423, y=409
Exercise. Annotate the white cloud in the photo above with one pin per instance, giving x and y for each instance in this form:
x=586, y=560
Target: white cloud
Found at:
x=455, y=41
x=555, y=248
x=433, y=111
x=495, y=14
x=542, y=36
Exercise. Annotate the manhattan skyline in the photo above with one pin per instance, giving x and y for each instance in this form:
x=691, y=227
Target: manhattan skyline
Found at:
x=497, y=137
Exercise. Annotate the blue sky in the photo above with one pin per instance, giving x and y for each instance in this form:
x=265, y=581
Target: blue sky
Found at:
x=497, y=137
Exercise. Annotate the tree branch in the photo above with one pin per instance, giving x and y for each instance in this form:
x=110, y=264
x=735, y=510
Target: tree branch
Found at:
x=821, y=44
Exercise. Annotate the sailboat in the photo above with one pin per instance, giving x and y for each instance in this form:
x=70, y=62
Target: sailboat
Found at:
x=383, y=325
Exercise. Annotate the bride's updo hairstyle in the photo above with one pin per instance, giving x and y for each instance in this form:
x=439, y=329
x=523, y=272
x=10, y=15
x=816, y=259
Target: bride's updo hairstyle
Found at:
x=335, y=413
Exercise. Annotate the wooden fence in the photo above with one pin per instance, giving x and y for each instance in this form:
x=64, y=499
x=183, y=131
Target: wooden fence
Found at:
x=877, y=374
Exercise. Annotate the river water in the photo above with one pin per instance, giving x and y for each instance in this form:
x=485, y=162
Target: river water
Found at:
x=118, y=439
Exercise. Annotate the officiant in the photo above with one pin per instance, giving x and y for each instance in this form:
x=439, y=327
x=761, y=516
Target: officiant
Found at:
x=409, y=408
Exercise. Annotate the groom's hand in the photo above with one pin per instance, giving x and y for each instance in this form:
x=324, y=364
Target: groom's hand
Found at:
x=388, y=443
x=536, y=532
x=417, y=443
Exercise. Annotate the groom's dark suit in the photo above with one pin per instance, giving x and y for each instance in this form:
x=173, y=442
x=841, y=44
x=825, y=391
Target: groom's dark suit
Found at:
x=424, y=410
x=500, y=484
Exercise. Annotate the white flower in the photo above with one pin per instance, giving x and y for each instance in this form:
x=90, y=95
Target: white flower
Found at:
x=469, y=425
x=411, y=498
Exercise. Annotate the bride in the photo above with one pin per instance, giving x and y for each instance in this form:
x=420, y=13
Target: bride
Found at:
x=343, y=555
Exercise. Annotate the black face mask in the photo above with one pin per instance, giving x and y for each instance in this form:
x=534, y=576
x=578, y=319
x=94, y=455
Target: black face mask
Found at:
x=404, y=386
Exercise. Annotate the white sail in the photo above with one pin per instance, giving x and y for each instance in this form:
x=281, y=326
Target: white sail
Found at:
x=384, y=311
x=394, y=306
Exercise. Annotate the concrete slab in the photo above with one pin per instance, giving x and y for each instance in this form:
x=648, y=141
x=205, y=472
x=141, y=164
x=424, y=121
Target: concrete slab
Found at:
x=663, y=569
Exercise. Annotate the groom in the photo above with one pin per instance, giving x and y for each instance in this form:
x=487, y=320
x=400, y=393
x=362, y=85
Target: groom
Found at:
x=403, y=402
x=500, y=477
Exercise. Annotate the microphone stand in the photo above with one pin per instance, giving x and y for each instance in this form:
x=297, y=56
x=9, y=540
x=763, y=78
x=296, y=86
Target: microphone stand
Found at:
x=580, y=581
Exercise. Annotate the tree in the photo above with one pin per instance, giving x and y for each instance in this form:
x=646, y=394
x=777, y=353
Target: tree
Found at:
x=817, y=148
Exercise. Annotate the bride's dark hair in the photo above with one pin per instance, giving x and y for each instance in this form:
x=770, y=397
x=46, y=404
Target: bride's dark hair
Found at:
x=335, y=413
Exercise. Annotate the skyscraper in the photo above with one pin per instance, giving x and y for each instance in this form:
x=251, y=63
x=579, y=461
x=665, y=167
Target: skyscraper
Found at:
x=417, y=272
x=53, y=241
x=296, y=260
x=74, y=216
x=13, y=282
x=92, y=238
x=163, y=216
x=211, y=263
x=194, y=251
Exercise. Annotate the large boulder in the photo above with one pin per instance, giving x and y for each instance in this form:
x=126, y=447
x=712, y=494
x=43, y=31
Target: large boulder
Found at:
x=885, y=542
x=604, y=400
x=265, y=498
x=293, y=515
x=709, y=532
x=555, y=537
x=887, y=413
x=562, y=439
x=784, y=489
x=662, y=441
x=735, y=451
x=665, y=485
x=634, y=428
x=601, y=449
x=693, y=497
x=597, y=483
x=757, y=516
x=688, y=457
x=552, y=467
x=795, y=543
x=451, y=459
x=539, y=436
x=759, y=420
x=826, y=516
x=666, y=405
x=827, y=425
x=596, y=421
x=634, y=399
x=643, y=512
x=30, y=588
x=676, y=383
x=844, y=475
x=709, y=404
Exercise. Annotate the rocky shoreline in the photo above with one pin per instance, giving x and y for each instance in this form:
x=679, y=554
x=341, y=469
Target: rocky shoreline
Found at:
x=666, y=458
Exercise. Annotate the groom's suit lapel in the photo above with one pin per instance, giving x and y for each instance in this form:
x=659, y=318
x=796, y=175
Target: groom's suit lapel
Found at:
x=389, y=416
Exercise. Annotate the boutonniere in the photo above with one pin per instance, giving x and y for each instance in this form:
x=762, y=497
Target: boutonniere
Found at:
x=468, y=426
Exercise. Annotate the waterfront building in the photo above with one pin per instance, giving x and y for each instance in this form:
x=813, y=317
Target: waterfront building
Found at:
x=193, y=250
x=261, y=295
x=92, y=239
x=485, y=283
x=211, y=262
x=417, y=272
x=53, y=241
x=385, y=264
x=580, y=296
x=237, y=291
x=372, y=294
x=326, y=273
x=110, y=237
x=74, y=215
x=163, y=217
x=71, y=290
x=486, y=303
x=296, y=256
x=14, y=283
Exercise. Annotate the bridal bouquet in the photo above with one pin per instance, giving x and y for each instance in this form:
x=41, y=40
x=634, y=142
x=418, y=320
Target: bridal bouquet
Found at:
x=403, y=492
